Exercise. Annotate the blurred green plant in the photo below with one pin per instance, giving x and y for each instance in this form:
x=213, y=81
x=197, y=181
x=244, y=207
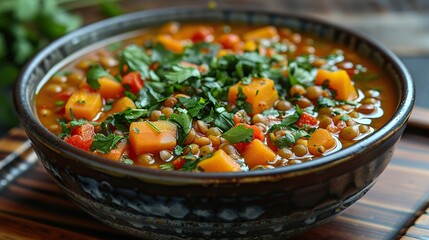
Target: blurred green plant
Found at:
x=28, y=25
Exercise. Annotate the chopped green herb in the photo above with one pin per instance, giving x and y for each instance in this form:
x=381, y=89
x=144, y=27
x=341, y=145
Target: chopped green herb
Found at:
x=59, y=103
x=136, y=130
x=153, y=126
x=136, y=59
x=104, y=143
x=126, y=160
x=193, y=105
x=184, y=123
x=344, y=118
x=94, y=73
x=179, y=74
x=238, y=134
x=241, y=101
x=325, y=102
x=65, y=130
x=298, y=75
x=167, y=166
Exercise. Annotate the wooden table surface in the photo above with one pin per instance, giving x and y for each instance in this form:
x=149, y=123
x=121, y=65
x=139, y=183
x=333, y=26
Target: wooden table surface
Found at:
x=33, y=207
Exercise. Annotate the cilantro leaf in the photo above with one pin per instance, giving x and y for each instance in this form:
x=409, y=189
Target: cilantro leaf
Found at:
x=65, y=130
x=298, y=75
x=224, y=121
x=193, y=105
x=290, y=138
x=94, y=73
x=238, y=134
x=291, y=119
x=167, y=166
x=134, y=114
x=122, y=120
x=241, y=101
x=191, y=163
x=137, y=60
x=284, y=141
x=184, y=123
x=148, y=97
x=179, y=74
x=345, y=118
x=271, y=112
x=163, y=56
x=201, y=53
x=77, y=122
x=325, y=102
x=126, y=160
x=104, y=143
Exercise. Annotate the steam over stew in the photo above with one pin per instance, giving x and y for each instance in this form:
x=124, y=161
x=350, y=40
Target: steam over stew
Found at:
x=216, y=98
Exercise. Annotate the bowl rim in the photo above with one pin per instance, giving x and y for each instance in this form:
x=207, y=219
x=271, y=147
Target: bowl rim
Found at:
x=33, y=126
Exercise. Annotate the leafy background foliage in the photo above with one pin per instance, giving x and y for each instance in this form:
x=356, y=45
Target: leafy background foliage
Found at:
x=28, y=25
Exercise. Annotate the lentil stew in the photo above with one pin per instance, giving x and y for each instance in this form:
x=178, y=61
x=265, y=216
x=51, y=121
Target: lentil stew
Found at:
x=216, y=98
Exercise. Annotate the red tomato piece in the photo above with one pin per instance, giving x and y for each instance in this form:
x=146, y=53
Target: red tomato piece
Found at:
x=178, y=163
x=202, y=34
x=63, y=96
x=79, y=142
x=306, y=119
x=257, y=134
x=133, y=81
x=86, y=131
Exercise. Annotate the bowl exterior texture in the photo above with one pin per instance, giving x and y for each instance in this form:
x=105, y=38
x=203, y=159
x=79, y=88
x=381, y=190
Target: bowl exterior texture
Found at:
x=264, y=209
x=277, y=203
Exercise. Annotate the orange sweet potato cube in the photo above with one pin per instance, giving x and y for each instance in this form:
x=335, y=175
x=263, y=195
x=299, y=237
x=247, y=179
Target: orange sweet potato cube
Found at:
x=258, y=153
x=84, y=104
x=152, y=137
x=260, y=93
x=219, y=162
x=339, y=81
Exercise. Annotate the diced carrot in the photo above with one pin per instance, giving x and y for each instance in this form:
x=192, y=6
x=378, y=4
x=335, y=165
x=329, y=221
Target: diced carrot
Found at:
x=260, y=93
x=84, y=105
x=267, y=32
x=257, y=153
x=339, y=81
x=171, y=44
x=229, y=41
x=145, y=138
x=133, y=81
x=320, y=141
x=116, y=153
x=219, y=162
x=110, y=88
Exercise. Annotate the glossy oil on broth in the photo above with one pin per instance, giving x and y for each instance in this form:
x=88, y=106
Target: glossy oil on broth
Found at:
x=216, y=98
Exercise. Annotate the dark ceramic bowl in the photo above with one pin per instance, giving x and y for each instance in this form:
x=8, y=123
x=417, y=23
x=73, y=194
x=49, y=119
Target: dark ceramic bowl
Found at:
x=156, y=204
